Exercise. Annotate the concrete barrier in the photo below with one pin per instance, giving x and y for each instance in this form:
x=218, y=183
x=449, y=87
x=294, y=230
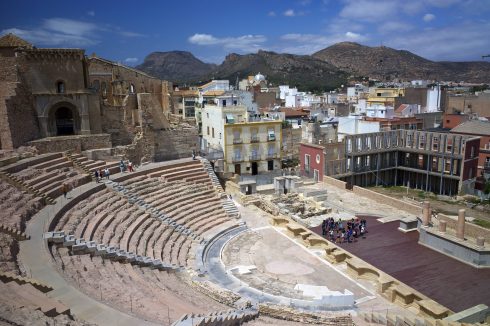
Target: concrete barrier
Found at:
x=335, y=182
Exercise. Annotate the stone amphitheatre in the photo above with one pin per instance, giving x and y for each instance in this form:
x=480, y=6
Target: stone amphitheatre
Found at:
x=170, y=244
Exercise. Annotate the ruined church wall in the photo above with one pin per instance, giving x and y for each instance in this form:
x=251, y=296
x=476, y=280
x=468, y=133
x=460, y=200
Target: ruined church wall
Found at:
x=175, y=144
x=18, y=121
x=44, y=70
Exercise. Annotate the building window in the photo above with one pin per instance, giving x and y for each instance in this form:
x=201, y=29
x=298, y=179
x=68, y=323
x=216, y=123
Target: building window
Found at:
x=271, y=135
x=131, y=89
x=307, y=163
x=60, y=87
x=472, y=153
x=103, y=87
x=212, y=132
x=208, y=130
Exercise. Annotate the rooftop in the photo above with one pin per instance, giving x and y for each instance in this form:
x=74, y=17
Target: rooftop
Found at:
x=473, y=127
x=13, y=41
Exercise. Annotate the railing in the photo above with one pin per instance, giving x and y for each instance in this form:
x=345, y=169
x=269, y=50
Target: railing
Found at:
x=272, y=155
x=271, y=138
x=254, y=157
x=255, y=139
x=237, y=158
x=237, y=141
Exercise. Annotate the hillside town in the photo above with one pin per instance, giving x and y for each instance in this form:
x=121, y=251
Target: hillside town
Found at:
x=128, y=199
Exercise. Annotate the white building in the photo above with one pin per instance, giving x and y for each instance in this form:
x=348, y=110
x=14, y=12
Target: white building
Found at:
x=380, y=111
x=433, y=99
x=352, y=125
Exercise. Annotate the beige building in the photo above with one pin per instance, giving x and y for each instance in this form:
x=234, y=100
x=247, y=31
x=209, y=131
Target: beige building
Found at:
x=250, y=144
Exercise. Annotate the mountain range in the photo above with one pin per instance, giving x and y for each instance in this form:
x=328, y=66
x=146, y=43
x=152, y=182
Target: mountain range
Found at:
x=323, y=70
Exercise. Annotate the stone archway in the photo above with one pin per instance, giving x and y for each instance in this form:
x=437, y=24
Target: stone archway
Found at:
x=64, y=120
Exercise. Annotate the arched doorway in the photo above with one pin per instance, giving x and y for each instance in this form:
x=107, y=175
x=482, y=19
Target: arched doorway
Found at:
x=65, y=123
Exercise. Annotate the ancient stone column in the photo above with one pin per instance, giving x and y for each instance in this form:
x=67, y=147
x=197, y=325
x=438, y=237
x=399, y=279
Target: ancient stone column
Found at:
x=426, y=211
x=460, y=226
x=442, y=226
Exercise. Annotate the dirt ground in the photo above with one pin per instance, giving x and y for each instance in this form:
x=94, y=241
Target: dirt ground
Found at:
x=442, y=206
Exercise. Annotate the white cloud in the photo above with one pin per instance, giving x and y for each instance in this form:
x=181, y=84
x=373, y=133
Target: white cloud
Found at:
x=243, y=43
x=62, y=32
x=271, y=14
x=289, y=13
x=368, y=10
x=459, y=42
x=394, y=26
x=50, y=38
x=131, y=60
x=91, y=13
x=428, y=17
x=353, y=36
x=69, y=26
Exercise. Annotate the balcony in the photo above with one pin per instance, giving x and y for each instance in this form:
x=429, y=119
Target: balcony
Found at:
x=237, y=158
x=255, y=139
x=237, y=141
x=272, y=155
x=271, y=137
x=486, y=166
x=254, y=157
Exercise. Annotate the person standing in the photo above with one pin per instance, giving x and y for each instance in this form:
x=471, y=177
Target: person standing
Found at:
x=107, y=173
x=96, y=173
x=121, y=166
x=130, y=166
x=64, y=189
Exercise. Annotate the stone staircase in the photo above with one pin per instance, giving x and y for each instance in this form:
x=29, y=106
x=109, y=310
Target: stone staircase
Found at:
x=89, y=166
x=82, y=247
x=6, y=277
x=14, y=233
x=222, y=318
x=23, y=186
x=228, y=204
x=391, y=319
x=154, y=212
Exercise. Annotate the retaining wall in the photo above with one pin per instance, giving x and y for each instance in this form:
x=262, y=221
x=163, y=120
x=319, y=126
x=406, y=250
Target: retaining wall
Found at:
x=383, y=199
x=334, y=182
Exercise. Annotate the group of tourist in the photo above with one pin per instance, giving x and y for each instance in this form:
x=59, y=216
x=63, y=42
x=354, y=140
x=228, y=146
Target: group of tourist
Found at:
x=344, y=231
x=126, y=166
x=101, y=173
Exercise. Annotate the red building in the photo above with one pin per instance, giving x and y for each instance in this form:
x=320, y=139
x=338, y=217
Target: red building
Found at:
x=312, y=161
x=481, y=129
x=450, y=121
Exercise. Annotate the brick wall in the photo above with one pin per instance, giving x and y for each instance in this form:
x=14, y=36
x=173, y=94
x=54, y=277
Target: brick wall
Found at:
x=380, y=198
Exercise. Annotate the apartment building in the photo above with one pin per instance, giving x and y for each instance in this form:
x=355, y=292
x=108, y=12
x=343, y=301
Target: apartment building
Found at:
x=250, y=143
x=443, y=163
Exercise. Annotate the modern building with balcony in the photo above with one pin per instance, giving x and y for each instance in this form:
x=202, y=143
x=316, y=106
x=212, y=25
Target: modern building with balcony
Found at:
x=442, y=163
x=250, y=143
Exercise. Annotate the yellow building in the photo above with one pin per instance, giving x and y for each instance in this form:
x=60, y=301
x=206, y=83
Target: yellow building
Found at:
x=253, y=147
x=384, y=96
x=251, y=144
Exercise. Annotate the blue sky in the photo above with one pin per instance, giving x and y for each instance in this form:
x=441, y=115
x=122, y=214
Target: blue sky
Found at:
x=127, y=31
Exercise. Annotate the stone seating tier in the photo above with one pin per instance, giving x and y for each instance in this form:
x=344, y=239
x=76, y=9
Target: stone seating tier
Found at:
x=26, y=295
x=151, y=294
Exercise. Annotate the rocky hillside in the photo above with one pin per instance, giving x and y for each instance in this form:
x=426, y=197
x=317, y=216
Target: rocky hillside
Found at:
x=305, y=71
x=296, y=70
x=386, y=63
x=176, y=66
x=324, y=70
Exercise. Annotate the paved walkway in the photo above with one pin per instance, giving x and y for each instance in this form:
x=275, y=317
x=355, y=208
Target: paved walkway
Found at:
x=34, y=255
x=453, y=284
